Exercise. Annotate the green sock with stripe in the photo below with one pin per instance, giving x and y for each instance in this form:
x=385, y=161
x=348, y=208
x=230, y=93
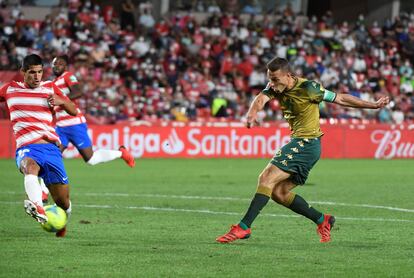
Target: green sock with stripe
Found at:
x=300, y=206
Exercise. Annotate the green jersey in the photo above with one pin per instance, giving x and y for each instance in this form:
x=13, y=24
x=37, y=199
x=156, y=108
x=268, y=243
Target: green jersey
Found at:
x=300, y=106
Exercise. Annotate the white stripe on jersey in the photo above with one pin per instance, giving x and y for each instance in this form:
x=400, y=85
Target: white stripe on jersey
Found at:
x=72, y=121
x=43, y=116
x=24, y=125
x=65, y=90
x=34, y=136
x=59, y=82
x=63, y=113
x=39, y=90
x=32, y=101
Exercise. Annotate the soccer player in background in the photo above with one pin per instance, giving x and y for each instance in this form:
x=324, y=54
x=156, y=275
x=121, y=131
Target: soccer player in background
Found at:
x=299, y=100
x=31, y=104
x=74, y=129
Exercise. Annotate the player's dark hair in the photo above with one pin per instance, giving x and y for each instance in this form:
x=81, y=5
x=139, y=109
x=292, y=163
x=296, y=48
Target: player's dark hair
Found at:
x=64, y=58
x=31, y=60
x=278, y=63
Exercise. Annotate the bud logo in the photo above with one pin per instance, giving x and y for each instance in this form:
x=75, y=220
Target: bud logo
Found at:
x=173, y=144
x=390, y=145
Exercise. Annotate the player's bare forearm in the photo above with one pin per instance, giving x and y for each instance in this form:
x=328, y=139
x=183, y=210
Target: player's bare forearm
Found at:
x=351, y=101
x=75, y=92
x=257, y=105
x=70, y=108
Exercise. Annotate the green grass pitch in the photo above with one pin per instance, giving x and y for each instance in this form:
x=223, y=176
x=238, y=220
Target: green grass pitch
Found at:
x=161, y=219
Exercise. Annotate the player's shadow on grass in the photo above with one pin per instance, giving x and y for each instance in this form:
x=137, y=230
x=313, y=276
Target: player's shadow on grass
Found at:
x=309, y=184
x=360, y=245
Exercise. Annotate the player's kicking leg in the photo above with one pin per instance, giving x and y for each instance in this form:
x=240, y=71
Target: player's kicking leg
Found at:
x=60, y=194
x=30, y=168
x=100, y=156
x=78, y=136
x=283, y=195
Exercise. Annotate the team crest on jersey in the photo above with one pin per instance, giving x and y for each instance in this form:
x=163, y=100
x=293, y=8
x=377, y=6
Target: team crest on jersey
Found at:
x=21, y=152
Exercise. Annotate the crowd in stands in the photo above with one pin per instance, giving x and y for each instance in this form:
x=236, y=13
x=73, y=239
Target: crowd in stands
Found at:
x=186, y=67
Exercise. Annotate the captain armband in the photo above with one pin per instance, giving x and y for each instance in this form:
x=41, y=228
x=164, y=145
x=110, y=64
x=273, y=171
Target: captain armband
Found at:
x=329, y=96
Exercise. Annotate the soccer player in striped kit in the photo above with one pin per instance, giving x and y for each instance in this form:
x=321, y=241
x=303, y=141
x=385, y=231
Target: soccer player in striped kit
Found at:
x=31, y=104
x=74, y=129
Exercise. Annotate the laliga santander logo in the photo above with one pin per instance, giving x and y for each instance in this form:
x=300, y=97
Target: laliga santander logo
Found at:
x=193, y=142
x=389, y=145
x=173, y=145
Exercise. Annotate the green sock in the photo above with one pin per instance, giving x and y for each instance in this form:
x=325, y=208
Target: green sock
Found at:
x=300, y=206
x=258, y=202
x=243, y=226
x=320, y=220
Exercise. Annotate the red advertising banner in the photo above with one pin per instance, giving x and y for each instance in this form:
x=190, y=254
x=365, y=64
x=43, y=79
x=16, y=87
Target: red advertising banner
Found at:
x=236, y=141
x=7, y=142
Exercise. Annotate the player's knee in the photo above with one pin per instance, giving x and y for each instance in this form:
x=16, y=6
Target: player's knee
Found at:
x=264, y=181
x=279, y=195
x=62, y=202
x=268, y=179
x=29, y=167
x=87, y=154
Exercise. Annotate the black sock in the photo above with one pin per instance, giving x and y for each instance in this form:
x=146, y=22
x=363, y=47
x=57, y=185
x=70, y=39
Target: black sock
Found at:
x=258, y=202
x=300, y=206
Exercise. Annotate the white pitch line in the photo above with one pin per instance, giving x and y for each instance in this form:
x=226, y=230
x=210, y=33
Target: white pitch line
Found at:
x=214, y=198
x=206, y=211
x=241, y=199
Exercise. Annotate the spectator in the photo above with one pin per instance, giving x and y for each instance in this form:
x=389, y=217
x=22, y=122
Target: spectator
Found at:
x=127, y=15
x=397, y=116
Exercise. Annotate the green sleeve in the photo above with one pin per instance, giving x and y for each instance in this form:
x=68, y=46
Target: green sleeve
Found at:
x=317, y=93
x=269, y=91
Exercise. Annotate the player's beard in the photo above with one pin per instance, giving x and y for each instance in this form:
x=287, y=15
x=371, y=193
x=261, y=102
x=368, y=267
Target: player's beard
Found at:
x=57, y=73
x=280, y=88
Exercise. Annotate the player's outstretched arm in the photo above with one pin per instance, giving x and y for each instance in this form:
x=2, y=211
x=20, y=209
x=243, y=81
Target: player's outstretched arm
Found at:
x=65, y=103
x=257, y=105
x=351, y=101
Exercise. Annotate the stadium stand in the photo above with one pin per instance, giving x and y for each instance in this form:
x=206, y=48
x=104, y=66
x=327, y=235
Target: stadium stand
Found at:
x=186, y=68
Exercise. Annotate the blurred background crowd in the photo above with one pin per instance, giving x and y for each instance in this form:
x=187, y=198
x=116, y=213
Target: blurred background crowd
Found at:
x=185, y=66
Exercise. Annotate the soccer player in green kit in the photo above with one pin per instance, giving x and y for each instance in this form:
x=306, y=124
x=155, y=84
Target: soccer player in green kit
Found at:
x=299, y=100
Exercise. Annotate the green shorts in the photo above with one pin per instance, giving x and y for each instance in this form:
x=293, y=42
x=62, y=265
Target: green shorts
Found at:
x=298, y=157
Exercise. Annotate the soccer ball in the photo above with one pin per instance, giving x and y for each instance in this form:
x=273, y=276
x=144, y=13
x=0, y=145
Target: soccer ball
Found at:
x=56, y=218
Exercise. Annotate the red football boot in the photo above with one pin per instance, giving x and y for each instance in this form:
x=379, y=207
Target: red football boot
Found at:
x=236, y=232
x=45, y=197
x=127, y=156
x=35, y=211
x=324, y=229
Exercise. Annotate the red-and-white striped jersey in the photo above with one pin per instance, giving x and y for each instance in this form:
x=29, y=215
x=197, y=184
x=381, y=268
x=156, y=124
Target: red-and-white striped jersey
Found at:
x=30, y=113
x=63, y=82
